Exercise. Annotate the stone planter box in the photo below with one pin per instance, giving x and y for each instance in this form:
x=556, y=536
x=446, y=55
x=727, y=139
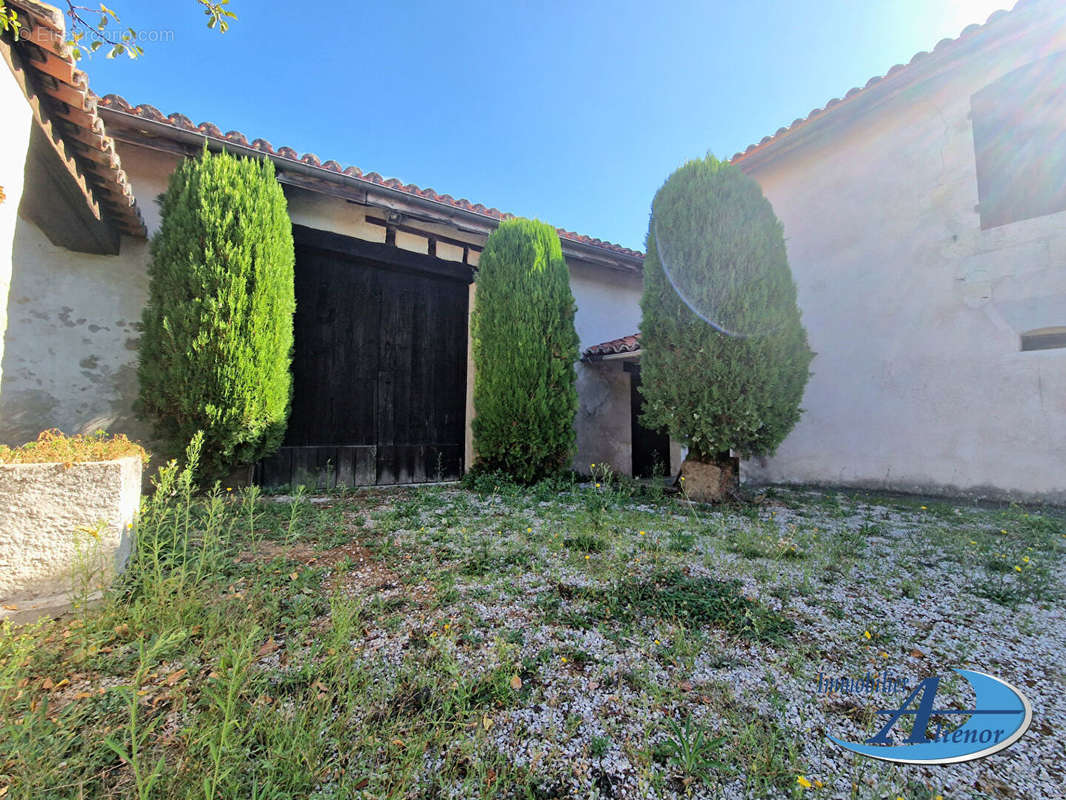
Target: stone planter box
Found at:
x=65, y=530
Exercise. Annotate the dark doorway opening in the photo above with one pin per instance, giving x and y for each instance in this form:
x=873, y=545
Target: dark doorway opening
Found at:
x=379, y=366
x=651, y=448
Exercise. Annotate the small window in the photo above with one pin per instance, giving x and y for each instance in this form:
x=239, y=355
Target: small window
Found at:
x=1019, y=136
x=1044, y=338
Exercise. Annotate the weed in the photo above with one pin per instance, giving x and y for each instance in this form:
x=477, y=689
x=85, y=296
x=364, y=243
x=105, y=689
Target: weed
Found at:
x=696, y=601
x=692, y=751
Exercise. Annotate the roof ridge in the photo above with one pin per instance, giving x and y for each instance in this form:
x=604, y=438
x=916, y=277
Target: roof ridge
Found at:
x=116, y=102
x=944, y=44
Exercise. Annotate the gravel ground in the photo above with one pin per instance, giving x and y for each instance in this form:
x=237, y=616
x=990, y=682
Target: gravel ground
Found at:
x=869, y=586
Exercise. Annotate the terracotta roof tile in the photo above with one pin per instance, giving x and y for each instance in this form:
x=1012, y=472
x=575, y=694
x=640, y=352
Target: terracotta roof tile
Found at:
x=67, y=111
x=894, y=72
x=114, y=102
x=627, y=344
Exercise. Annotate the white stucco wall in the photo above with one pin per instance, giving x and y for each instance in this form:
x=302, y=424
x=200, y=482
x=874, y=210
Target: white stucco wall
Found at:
x=15, y=126
x=915, y=313
x=608, y=303
x=70, y=358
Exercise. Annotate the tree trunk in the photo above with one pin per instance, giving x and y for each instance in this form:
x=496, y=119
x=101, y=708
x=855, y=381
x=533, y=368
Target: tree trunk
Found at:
x=710, y=481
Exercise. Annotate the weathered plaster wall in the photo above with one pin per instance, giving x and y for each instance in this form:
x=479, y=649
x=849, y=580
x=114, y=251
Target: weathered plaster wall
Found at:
x=44, y=553
x=603, y=422
x=14, y=141
x=70, y=359
x=608, y=307
x=914, y=311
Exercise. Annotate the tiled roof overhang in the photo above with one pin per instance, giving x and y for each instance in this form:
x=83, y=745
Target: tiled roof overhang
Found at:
x=879, y=89
x=145, y=125
x=66, y=110
x=626, y=347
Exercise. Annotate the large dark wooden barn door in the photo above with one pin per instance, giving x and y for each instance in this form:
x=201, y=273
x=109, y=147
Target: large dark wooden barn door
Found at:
x=379, y=367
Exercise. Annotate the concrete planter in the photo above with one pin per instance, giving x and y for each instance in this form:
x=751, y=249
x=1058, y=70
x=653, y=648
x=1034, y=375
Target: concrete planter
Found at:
x=65, y=529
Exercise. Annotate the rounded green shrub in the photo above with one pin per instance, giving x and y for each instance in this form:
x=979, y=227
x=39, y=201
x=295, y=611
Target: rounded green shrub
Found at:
x=524, y=349
x=711, y=390
x=218, y=325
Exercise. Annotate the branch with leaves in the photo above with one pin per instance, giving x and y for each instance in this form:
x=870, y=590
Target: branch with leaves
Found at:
x=87, y=37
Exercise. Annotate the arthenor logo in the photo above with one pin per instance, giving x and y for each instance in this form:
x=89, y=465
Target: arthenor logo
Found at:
x=1001, y=714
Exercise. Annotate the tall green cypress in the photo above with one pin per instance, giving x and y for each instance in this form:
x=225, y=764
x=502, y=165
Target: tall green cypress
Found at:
x=218, y=325
x=712, y=391
x=524, y=349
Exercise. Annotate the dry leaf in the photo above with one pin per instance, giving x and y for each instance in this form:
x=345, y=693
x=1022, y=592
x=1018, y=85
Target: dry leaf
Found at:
x=47, y=684
x=916, y=653
x=174, y=677
x=486, y=723
x=82, y=695
x=268, y=647
x=9, y=607
x=294, y=575
x=516, y=682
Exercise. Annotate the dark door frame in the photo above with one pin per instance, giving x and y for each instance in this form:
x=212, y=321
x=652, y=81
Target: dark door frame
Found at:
x=645, y=443
x=381, y=255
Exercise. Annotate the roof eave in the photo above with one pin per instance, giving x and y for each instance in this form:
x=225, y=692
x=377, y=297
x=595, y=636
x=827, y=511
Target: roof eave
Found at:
x=925, y=65
x=141, y=131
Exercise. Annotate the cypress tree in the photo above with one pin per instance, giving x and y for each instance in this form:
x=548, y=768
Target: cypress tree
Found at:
x=524, y=349
x=713, y=391
x=217, y=341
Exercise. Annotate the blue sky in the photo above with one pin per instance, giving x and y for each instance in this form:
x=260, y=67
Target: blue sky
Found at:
x=571, y=112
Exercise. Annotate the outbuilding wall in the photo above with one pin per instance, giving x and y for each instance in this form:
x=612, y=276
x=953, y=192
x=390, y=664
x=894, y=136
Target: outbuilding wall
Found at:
x=914, y=311
x=14, y=142
x=73, y=332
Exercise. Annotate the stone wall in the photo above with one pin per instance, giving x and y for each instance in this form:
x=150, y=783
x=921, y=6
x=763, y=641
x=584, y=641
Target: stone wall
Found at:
x=64, y=527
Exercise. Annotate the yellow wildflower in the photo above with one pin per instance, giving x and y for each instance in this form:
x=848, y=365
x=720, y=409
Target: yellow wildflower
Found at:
x=806, y=784
x=1017, y=568
x=1025, y=559
x=867, y=634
